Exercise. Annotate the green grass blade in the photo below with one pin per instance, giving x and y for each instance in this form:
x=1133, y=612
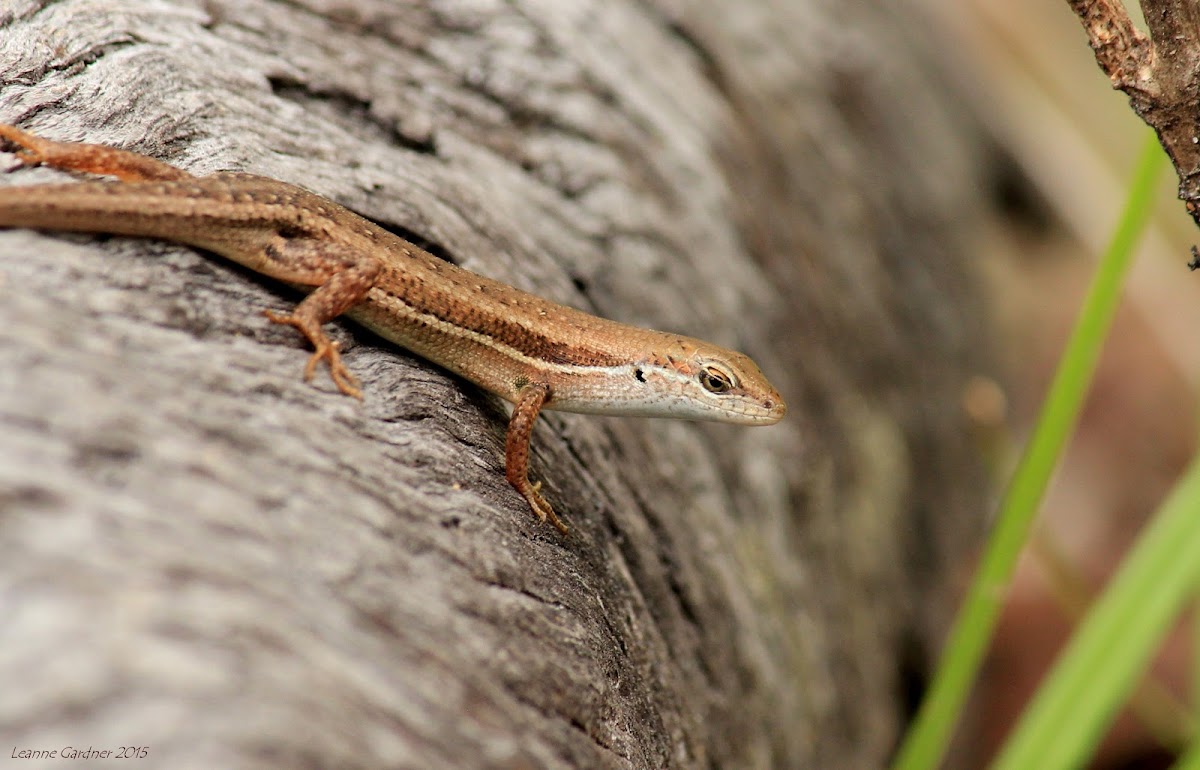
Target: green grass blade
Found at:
x=1096, y=672
x=1190, y=760
x=1195, y=686
x=926, y=742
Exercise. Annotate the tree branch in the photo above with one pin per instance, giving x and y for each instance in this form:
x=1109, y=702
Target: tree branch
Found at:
x=1121, y=49
x=1159, y=73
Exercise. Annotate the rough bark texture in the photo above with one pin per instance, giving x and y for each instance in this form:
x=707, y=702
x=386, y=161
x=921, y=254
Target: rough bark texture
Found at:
x=1160, y=71
x=202, y=555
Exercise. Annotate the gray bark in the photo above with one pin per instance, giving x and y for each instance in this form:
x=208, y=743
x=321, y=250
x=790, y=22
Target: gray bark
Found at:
x=203, y=555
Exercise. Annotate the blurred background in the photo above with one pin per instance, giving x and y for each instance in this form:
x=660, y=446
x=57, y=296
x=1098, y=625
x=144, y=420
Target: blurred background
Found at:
x=1066, y=144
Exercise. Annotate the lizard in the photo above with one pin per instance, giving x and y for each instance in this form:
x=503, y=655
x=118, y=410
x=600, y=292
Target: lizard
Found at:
x=527, y=350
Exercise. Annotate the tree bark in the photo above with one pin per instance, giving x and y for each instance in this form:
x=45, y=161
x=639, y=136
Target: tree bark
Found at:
x=202, y=555
x=1160, y=72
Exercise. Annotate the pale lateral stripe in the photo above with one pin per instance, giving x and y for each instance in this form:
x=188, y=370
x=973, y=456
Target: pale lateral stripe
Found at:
x=446, y=327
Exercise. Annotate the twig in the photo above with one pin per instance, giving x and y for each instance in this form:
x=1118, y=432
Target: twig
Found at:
x=1159, y=72
x=1121, y=49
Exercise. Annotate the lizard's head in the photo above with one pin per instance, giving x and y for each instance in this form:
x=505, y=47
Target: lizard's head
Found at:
x=695, y=380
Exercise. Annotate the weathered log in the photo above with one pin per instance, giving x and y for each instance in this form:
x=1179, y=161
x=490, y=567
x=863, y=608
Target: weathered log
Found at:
x=202, y=555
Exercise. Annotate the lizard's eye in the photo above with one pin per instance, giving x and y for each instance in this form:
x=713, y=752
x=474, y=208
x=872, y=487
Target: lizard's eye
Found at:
x=715, y=381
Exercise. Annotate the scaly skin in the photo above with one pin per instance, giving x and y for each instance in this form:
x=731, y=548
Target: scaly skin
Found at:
x=528, y=350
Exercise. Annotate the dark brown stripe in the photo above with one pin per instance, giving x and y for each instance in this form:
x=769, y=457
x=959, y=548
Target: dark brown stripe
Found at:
x=402, y=285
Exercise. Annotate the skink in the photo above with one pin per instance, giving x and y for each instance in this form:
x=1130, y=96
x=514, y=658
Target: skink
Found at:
x=528, y=350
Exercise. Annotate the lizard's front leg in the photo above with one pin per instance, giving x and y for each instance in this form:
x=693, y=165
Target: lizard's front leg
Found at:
x=341, y=281
x=516, y=451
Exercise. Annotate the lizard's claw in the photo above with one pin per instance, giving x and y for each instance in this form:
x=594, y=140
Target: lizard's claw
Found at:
x=541, y=507
x=324, y=349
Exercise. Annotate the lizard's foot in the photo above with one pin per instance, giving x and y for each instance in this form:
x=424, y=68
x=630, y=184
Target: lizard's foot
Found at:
x=541, y=507
x=324, y=349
